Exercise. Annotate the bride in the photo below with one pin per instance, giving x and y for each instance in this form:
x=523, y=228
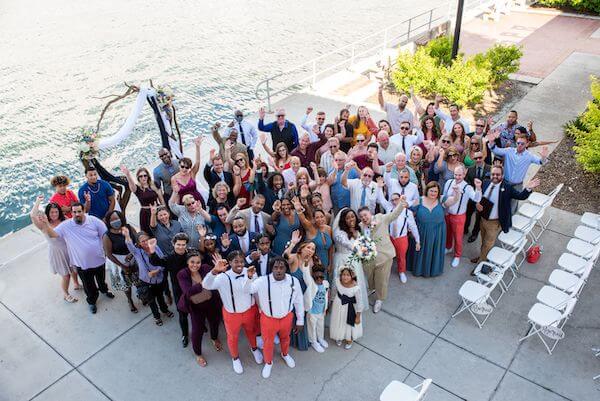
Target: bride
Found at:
x=345, y=232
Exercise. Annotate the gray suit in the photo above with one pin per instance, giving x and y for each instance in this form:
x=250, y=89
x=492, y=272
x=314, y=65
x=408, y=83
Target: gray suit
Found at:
x=248, y=218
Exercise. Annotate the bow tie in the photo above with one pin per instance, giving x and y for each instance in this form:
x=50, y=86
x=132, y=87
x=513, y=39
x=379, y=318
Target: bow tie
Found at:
x=239, y=276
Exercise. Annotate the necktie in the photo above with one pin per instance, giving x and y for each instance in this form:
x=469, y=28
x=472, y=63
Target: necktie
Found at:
x=478, y=172
x=256, y=224
x=242, y=133
x=490, y=191
x=403, y=188
x=404, y=144
x=363, y=196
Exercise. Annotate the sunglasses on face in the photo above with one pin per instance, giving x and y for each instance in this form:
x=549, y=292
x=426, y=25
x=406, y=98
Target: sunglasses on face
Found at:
x=479, y=158
x=319, y=277
x=520, y=143
x=189, y=203
x=184, y=166
x=239, y=160
x=445, y=141
x=404, y=128
x=452, y=155
x=360, y=140
x=479, y=125
x=143, y=176
x=164, y=155
x=280, y=115
x=368, y=175
x=321, y=118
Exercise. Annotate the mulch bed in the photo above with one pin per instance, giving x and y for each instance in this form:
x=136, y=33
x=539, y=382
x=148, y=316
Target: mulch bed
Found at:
x=581, y=192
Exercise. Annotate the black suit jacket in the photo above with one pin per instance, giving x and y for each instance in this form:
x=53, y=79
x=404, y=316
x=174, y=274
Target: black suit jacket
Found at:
x=507, y=192
x=256, y=264
x=212, y=178
x=471, y=171
x=235, y=243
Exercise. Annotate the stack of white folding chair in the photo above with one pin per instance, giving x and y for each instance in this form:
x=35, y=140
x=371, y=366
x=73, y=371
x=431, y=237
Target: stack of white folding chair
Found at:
x=557, y=300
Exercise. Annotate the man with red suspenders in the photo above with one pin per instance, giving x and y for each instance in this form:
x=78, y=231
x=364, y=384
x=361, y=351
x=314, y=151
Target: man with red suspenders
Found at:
x=278, y=295
x=239, y=308
x=456, y=214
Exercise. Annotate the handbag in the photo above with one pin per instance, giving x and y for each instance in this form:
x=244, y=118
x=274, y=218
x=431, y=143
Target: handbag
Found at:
x=533, y=254
x=143, y=292
x=201, y=296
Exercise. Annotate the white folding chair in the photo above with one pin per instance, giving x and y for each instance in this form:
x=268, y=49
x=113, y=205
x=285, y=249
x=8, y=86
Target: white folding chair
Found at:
x=572, y=263
x=535, y=214
x=547, y=322
x=474, y=297
x=512, y=239
x=524, y=225
x=567, y=282
x=583, y=249
x=491, y=279
x=398, y=391
x=555, y=298
x=588, y=234
x=539, y=199
x=505, y=260
x=591, y=220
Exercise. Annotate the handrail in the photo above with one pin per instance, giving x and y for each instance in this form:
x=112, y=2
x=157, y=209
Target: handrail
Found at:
x=445, y=15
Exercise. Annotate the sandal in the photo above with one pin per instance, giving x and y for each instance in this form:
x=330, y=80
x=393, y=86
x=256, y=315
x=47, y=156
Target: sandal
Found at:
x=201, y=361
x=169, y=313
x=78, y=288
x=218, y=345
x=133, y=308
x=70, y=299
x=158, y=322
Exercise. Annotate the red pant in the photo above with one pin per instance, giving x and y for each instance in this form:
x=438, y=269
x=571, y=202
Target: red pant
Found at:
x=401, y=246
x=455, y=228
x=234, y=322
x=269, y=326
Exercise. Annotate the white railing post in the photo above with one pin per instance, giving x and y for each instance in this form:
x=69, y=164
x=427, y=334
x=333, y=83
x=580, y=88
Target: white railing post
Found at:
x=268, y=97
x=314, y=74
x=409, y=27
x=352, y=57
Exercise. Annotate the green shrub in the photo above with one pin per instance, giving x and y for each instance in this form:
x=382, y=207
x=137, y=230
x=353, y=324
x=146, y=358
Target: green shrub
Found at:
x=586, y=6
x=418, y=70
x=586, y=132
x=466, y=82
x=503, y=60
x=441, y=50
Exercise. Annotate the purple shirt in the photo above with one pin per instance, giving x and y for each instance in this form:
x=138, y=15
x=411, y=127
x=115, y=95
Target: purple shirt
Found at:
x=84, y=241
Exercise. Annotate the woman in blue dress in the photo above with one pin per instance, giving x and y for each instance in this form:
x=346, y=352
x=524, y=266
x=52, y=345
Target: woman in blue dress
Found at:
x=430, y=216
x=302, y=258
x=285, y=221
x=318, y=232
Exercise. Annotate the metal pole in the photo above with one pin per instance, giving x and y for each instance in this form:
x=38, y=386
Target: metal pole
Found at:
x=268, y=97
x=459, y=14
x=314, y=74
x=408, y=33
x=430, y=19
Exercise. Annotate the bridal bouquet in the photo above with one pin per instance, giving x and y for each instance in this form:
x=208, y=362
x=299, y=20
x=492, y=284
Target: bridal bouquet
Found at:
x=363, y=250
x=88, y=145
x=164, y=94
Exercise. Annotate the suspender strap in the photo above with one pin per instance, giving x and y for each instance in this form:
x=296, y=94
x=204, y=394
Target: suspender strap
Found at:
x=231, y=291
x=291, y=294
x=269, y=290
x=405, y=222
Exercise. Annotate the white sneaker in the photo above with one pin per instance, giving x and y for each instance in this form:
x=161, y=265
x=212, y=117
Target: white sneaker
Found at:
x=259, y=342
x=276, y=338
x=447, y=251
x=348, y=346
x=455, y=262
x=317, y=347
x=237, y=366
x=377, y=306
x=323, y=343
x=338, y=343
x=289, y=361
x=258, y=356
x=266, y=371
x=403, y=278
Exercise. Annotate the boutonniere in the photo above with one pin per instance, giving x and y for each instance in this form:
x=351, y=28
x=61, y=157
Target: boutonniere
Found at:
x=372, y=190
x=501, y=189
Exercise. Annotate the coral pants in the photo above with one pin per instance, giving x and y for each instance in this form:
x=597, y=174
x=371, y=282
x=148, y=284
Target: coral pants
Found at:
x=401, y=246
x=233, y=322
x=269, y=326
x=455, y=228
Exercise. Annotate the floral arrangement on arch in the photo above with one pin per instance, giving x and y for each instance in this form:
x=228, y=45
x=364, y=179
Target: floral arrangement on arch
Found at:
x=363, y=250
x=164, y=95
x=88, y=144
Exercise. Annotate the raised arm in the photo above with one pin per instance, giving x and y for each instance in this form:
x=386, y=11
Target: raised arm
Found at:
x=347, y=169
x=419, y=110
x=196, y=166
x=35, y=212
x=130, y=181
x=380, y=97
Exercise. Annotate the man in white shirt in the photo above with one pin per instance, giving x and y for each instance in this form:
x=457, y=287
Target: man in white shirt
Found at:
x=454, y=116
x=326, y=160
x=402, y=185
x=407, y=138
x=289, y=174
x=362, y=190
x=387, y=150
x=247, y=133
x=315, y=128
x=278, y=295
x=399, y=229
x=456, y=214
x=396, y=114
x=239, y=309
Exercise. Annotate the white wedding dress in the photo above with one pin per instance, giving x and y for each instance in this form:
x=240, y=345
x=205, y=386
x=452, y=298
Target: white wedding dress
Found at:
x=343, y=250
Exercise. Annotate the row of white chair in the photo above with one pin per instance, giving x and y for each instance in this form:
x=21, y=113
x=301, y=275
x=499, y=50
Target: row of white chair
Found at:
x=556, y=301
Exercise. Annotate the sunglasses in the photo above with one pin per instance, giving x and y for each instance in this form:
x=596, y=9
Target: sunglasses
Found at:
x=404, y=128
x=368, y=175
x=321, y=118
x=184, y=166
x=239, y=160
x=142, y=176
x=479, y=158
x=319, y=277
x=164, y=155
x=520, y=143
x=452, y=155
x=445, y=141
x=280, y=115
x=360, y=140
x=479, y=125
x=189, y=204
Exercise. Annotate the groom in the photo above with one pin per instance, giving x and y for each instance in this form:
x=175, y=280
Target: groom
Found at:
x=377, y=228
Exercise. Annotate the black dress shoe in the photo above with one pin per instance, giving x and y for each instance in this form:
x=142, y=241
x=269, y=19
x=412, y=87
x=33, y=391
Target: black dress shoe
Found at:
x=472, y=238
x=109, y=294
x=93, y=309
x=185, y=341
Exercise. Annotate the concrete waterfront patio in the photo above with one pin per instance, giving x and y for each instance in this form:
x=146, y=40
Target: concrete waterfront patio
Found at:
x=54, y=351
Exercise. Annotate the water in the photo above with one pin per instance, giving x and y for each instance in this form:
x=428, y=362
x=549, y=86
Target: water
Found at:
x=59, y=56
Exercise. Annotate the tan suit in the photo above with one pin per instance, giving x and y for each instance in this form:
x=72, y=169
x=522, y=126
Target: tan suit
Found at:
x=378, y=270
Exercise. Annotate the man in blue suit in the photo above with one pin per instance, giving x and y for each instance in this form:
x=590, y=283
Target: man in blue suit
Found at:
x=261, y=258
x=241, y=239
x=495, y=209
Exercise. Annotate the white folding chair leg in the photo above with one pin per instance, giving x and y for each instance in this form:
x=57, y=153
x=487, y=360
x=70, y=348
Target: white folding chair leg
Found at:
x=537, y=330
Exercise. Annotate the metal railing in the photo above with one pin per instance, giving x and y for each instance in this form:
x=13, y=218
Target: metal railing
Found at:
x=345, y=57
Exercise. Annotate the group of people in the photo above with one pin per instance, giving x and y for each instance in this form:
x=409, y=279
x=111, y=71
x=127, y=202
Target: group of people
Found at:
x=272, y=243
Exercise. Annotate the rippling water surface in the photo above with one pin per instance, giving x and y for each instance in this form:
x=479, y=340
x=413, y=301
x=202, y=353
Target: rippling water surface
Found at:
x=59, y=56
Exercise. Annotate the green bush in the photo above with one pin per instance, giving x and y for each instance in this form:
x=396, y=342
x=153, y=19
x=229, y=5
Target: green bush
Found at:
x=586, y=6
x=586, y=132
x=431, y=70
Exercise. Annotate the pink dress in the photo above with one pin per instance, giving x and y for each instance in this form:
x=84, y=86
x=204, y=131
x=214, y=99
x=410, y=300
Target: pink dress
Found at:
x=190, y=188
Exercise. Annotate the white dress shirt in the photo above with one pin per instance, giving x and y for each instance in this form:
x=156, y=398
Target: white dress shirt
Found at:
x=387, y=155
x=231, y=288
x=261, y=223
x=285, y=295
x=244, y=242
x=247, y=130
x=356, y=186
x=405, y=142
x=410, y=190
x=290, y=176
x=404, y=222
x=467, y=192
x=449, y=122
x=308, y=127
x=492, y=194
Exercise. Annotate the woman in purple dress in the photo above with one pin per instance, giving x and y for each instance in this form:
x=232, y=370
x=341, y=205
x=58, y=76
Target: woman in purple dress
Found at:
x=146, y=192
